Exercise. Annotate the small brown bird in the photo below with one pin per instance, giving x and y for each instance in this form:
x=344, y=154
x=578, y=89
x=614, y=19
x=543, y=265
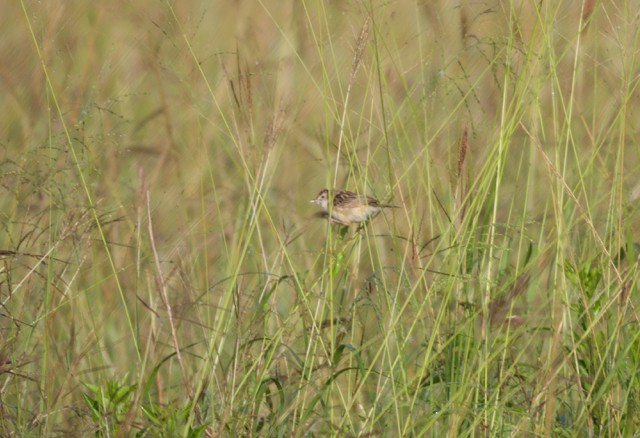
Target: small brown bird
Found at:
x=348, y=207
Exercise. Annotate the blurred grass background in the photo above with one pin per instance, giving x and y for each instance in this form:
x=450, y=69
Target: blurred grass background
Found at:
x=163, y=273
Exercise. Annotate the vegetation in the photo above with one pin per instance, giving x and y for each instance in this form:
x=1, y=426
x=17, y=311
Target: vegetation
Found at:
x=164, y=274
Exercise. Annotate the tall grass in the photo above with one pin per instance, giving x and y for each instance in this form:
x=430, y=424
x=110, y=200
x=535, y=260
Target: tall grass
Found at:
x=165, y=275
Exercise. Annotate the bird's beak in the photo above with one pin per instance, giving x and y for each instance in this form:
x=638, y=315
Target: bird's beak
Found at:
x=312, y=201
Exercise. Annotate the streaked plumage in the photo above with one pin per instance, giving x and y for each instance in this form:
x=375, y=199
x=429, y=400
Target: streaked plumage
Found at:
x=349, y=207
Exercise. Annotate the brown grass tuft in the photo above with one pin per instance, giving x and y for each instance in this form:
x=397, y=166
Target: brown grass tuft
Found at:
x=362, y=39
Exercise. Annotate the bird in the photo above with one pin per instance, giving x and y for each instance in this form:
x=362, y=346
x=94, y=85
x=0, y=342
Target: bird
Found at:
x=348, y=207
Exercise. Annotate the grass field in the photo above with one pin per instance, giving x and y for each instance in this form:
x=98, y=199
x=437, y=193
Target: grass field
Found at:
x=164, y=274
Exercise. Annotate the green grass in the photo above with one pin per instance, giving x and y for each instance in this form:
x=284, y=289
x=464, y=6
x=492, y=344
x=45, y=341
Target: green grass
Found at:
x=163, y=273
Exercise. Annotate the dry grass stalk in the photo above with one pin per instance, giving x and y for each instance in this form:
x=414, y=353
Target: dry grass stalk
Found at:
x=357, y=58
